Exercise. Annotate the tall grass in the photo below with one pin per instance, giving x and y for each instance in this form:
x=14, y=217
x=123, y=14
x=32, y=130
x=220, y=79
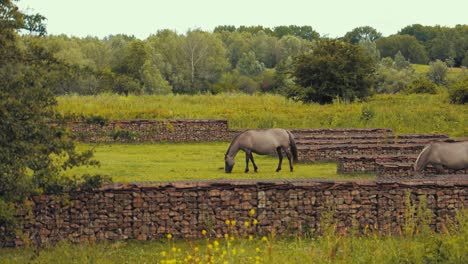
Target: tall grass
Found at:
x=403, y=113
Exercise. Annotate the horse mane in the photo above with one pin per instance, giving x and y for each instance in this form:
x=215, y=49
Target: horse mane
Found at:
x=422, y=155
x=233, y=140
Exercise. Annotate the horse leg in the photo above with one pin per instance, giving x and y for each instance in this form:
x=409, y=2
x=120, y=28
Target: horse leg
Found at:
x=247, y=154
x=439, y=168
x=253, y=163
x=288, y=155
x=280, y=156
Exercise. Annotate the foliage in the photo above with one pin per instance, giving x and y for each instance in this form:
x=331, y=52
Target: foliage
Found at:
x=458, y=92
x=304, y=32
x=422, y=85
x=437, y=72
x=35, y=147
x=390, y=78
x=333, y=69
x=248, y=65
x=441, y=43
x=401, y=62
x=360, y=34
x=407, y=45
x=193, y=62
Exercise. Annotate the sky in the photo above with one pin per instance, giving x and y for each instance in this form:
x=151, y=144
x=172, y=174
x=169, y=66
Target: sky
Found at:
x=332, y=18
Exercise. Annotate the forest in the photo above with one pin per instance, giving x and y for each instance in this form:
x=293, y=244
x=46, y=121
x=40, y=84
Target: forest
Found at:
x=248, y=59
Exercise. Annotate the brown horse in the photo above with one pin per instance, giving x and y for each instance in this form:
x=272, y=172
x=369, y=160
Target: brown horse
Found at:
x=453, y=155
x=262, y=142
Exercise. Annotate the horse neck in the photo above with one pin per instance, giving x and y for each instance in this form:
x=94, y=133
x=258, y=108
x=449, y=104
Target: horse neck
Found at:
x=422, y=159
x=233, y=149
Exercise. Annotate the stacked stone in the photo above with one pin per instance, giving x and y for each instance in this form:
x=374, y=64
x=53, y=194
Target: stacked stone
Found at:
x=332, y=152
x=184, y=209
x=173, y=130
x=406, y=170
x=369, y=163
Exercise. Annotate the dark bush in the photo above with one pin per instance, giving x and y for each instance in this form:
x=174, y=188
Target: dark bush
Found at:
x=458, y=92
x=422, y=85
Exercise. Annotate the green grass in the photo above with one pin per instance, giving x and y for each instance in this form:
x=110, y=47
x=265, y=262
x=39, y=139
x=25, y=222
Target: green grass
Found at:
x=403, y=113
x=194, y=161
x=452, y=72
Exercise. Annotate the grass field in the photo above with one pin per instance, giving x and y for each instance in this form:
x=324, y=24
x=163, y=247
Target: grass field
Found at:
x=452, y=72
x=194, y=161
x=403, y=113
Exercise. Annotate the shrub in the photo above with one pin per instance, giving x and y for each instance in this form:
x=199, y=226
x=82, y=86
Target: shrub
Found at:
x=391, y=80
x=458, y=92
x=422, y=85
x=438, y=72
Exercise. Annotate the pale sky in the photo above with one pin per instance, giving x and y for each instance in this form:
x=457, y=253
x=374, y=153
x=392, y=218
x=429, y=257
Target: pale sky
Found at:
x=334, y=18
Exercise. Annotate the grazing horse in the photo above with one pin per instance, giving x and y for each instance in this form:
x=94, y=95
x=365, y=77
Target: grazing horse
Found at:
x=453, y=155
x=262, y=142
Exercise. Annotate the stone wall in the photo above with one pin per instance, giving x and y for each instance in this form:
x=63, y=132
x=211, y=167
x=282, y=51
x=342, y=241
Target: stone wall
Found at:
x=406, y=170
x=172, y=130
x=308, y=153
x=368, y=164
x=184, y=209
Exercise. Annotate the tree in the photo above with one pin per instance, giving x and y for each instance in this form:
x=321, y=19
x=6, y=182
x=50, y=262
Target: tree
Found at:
x=34, y=153
x=236, y=43
x=407, y=45
x=401, y=62
x=304, y=32
x=333, y=69
x=264, y=46
x=437, y=72
x=290, y=46
x=34, y=24
x=362, y=34
x=203, y=58
x=248, y=65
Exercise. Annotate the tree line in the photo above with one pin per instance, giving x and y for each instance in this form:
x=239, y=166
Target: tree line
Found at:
x=246, y=59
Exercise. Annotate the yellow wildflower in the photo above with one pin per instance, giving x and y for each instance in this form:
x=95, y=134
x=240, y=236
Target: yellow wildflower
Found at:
x=227, y=222
x=250, y=237
x=252, y=212
x=226, y=236
x=169, y=236
x=246, y=223
x=233, y=222
x=264, y=238
x=203, y=232
x=255, y=222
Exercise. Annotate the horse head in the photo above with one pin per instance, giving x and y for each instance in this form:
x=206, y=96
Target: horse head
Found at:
x=229, y=163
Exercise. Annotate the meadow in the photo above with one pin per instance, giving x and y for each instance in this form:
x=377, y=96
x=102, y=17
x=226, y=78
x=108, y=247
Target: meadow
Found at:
x=416, y=113
x=194, y=161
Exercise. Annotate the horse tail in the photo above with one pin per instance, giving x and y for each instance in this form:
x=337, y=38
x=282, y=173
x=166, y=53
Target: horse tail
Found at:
x=293, y=146
x=422, y=158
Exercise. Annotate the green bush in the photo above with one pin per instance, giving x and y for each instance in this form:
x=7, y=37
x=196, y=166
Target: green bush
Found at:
x=458, y=92
x=422, y=85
